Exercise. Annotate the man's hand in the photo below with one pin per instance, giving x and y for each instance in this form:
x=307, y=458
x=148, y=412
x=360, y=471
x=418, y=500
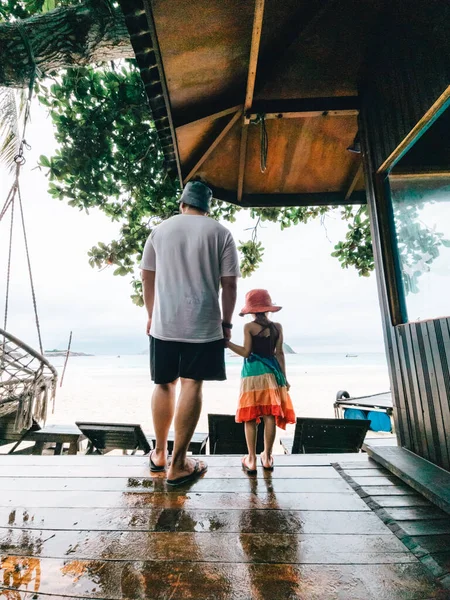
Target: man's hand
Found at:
x=226, y=333
x=149, y=324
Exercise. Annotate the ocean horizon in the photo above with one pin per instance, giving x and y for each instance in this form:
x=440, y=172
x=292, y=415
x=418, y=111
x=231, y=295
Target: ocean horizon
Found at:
x=109, y=388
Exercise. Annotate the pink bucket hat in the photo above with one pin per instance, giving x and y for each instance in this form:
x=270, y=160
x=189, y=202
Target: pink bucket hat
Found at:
x=258, y=301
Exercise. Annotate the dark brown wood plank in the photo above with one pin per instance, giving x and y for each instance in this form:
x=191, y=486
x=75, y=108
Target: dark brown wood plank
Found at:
x=440, y=434
x=388, y=490
x=417, y=513
x=422, y=368
x=297, y=501
x=160, y=581
x=242, y=162
x=350, y=465
x=414, y=405
x=426, y=478
x=399, y=501
x=212, y=146
x=212, y=547
x=378, y=472
x=197, y=520
x=426, y=527
x=216, y=460
x=104, y=470
x=376, y=481
x=153, y=484
x=438, y=335
x=433, y=543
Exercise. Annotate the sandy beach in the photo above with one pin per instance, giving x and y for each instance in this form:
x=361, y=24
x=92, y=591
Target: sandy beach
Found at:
x=118, y=389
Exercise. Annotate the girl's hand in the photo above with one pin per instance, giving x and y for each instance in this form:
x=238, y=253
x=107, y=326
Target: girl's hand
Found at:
x=288, y=385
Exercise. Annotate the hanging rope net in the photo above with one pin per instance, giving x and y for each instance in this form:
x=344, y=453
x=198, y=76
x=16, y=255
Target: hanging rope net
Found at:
x=27, y=382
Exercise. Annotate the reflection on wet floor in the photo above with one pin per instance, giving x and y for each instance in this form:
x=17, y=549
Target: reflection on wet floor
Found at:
x=301, y=532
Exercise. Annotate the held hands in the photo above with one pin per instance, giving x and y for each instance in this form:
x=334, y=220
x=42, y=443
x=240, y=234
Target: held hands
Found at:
x=226, y=335
x=226, y=328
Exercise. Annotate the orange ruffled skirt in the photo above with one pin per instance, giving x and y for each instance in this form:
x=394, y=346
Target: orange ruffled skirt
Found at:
x=264, y=392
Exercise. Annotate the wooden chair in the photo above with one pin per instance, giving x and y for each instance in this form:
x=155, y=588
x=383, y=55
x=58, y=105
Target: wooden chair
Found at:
x=9, y=435
x=228, y=437
x=197, y=445
x=104, y=437
x=328, y=436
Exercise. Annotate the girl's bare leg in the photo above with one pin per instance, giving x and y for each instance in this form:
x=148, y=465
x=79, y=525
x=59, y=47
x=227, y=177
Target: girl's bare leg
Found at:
x=250, y=435
x=269, y=439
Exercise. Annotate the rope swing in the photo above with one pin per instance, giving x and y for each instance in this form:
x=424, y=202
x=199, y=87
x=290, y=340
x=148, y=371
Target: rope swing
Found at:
x=27, y=379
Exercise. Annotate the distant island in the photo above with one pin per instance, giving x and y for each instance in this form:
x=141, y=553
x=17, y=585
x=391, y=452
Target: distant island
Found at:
x=287, y=349
x=56, y=352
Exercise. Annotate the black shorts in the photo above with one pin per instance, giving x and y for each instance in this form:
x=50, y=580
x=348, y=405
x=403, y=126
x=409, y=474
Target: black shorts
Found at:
x=201, y=362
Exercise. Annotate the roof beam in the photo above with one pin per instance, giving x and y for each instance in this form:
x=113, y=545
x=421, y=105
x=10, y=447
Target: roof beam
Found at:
x=306, y=107
x=251, y=78
x=215, y=143
x=300, y=199
x=287, y=109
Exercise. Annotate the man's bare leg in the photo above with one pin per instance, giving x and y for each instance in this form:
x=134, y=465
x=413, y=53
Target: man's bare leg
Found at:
x=187, y=415
x=163, y=406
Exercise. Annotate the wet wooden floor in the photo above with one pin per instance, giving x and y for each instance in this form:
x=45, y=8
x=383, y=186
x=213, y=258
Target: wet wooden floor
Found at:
x=103, y=527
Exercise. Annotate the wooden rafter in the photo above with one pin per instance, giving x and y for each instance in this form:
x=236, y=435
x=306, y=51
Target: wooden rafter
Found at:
x=251, y=78
x=204, y=115
x=291, y=108
x=354, y=181
x=216, y=142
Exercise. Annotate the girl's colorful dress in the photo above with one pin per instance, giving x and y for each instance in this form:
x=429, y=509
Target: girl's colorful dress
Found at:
x=263, y=385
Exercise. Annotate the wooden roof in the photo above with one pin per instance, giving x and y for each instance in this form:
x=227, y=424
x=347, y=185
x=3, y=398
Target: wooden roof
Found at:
x=210, y=67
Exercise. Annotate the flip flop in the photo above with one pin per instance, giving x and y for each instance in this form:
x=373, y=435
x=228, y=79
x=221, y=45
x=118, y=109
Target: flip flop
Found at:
x=246, y=469
x=196, y=473
x=271, y=468
x=155, y=468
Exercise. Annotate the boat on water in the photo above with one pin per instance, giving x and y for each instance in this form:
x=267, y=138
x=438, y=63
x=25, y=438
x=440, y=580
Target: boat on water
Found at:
x=351, y=356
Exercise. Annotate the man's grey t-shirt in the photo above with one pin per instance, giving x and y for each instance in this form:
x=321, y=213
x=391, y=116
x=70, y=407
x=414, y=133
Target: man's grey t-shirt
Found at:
x=190, y=254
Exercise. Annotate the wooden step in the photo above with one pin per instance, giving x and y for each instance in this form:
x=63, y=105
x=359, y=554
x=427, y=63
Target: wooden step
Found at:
x=423, y=476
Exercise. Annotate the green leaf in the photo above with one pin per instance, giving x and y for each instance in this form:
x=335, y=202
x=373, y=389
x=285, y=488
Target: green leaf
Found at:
x=44, y=161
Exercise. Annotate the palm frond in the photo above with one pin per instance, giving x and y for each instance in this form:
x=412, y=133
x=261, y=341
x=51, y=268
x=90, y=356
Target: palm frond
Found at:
x=9, y=128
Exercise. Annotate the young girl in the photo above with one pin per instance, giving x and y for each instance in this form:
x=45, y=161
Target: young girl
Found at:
x=264, y=388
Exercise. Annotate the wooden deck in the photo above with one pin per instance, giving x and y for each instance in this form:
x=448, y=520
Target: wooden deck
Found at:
x=103, y=527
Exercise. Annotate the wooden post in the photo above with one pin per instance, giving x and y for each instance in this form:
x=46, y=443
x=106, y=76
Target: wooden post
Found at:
x=67, y=358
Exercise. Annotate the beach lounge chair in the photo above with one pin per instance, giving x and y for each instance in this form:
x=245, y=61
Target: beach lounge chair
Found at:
x=327, y=436
x=228, y=437
x=104, y=437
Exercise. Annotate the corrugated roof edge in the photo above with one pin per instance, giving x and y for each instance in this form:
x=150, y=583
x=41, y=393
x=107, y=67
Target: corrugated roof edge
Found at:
x=141, y=40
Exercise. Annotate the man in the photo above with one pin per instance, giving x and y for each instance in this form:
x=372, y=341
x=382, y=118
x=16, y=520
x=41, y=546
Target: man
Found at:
x=185, y=260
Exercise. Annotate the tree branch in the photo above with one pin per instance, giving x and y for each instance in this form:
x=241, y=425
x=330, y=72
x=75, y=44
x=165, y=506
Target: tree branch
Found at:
x=73, y=36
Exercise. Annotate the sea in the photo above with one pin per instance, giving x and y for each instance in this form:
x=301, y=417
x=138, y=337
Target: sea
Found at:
x=118, y=389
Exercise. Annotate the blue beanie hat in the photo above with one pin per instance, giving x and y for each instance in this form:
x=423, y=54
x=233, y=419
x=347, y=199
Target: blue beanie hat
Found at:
x=197, y=194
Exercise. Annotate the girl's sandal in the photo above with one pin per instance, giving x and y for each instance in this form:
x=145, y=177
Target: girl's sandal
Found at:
x=246, y=469
x=271, y=468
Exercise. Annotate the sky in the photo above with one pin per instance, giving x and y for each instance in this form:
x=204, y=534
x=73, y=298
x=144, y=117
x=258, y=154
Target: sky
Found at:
x=325, y=308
